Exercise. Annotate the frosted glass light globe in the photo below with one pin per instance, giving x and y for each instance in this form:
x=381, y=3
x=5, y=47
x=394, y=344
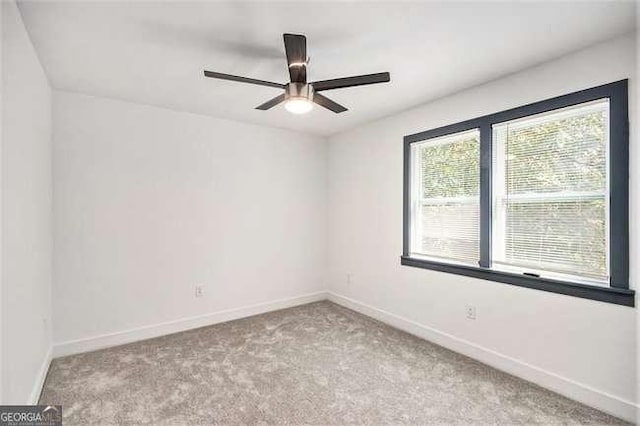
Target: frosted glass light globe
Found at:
x=298, y=105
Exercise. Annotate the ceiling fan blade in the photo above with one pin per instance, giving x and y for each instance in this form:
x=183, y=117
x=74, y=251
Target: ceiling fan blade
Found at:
x=359, y=80
x=296, y=47
x=222, y=76
x=328, y=103
x=271, y=103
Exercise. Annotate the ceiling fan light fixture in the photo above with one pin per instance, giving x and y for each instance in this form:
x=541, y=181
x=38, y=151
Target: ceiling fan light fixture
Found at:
x=298, y=98
x=300, y=94
x=298, y=105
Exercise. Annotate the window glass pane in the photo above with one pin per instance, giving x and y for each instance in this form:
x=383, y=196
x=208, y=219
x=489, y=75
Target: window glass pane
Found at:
x=450, y=166
x=563, y=236
x=551, y=193
x=446, y=198
x=451, y=231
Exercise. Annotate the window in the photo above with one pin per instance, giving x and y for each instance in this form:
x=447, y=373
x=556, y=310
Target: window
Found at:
x=536, y=196
x=447, y=206
x=550, y=191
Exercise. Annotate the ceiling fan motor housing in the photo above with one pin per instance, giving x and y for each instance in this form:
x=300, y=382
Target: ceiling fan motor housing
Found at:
x=298, y=90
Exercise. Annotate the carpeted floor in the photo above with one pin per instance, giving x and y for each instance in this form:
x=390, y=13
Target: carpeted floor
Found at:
x=314, y=364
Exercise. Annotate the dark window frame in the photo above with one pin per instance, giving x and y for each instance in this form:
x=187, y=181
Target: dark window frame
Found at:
x=618, y=291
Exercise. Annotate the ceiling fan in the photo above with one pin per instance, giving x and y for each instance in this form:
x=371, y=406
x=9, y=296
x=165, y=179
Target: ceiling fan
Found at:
x=300, y=95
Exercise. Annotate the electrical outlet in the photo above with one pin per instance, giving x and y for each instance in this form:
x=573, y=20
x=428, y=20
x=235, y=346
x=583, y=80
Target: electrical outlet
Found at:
x=199, y=291
x=350, y=278
x=470, y=312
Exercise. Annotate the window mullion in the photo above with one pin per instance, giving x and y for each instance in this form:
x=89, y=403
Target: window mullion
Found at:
x=416, y=202
x=485, y=194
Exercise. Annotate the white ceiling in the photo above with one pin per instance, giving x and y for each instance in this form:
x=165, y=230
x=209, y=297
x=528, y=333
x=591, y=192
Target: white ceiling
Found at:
x=154, y=52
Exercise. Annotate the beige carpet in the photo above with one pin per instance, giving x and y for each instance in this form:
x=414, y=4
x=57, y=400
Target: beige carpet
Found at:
x=314, y=364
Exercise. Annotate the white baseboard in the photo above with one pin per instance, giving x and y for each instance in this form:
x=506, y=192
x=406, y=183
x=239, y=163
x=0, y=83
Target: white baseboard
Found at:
x=571, y=389
x=40, y=378
x=147, y=332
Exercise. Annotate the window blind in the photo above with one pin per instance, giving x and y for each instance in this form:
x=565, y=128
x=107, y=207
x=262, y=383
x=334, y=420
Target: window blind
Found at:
x=550, y=186
x=446, y=198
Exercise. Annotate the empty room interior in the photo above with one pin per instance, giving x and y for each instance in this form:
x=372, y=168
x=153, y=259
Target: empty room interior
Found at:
x=319, y=213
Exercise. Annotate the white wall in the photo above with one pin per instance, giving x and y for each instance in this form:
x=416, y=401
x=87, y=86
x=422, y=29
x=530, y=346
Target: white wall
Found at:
x=26, y=213
x=149, y=202
x=581, y=347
